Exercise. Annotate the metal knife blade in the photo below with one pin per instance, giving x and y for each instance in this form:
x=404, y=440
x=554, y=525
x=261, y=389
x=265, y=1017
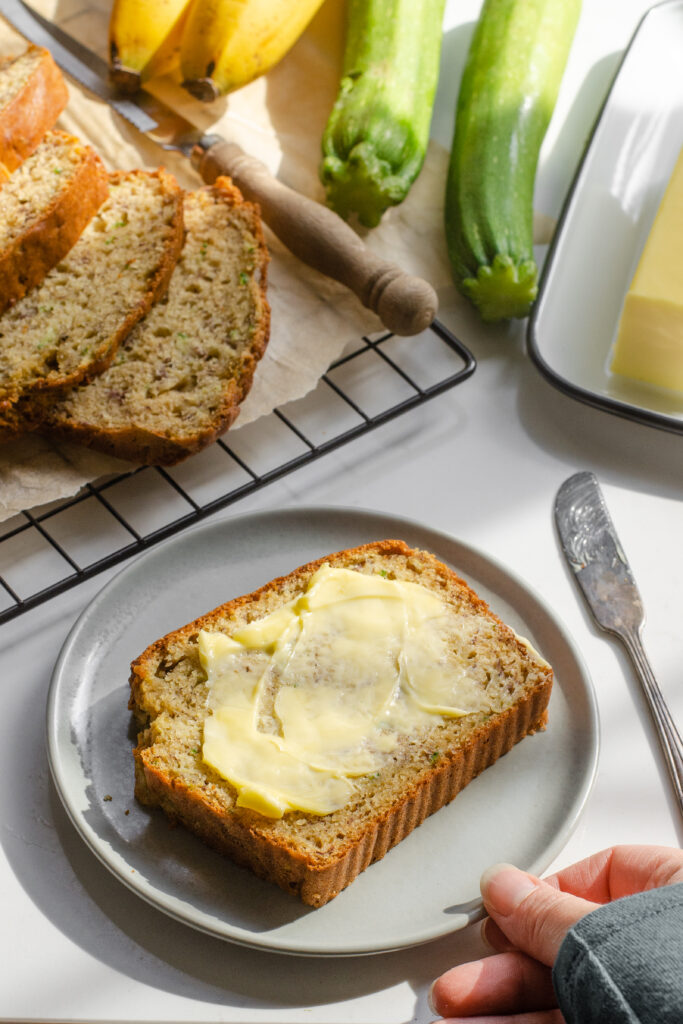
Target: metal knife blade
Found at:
x=405, y=304
x=593, y=550
x=145, y=112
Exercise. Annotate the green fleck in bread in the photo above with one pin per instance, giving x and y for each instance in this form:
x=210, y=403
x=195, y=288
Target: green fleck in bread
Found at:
x=179, y=377
x=44, y=207
x=32, y=96
x=316, y=856
x=69, y=327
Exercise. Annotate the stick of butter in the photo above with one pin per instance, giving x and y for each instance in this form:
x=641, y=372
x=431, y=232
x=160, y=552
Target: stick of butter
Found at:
x=649, y=345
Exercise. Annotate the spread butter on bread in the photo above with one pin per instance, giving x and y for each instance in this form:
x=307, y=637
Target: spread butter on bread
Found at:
x=306, y=728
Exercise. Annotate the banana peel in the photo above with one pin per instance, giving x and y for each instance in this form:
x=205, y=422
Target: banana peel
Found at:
x=228, y=43
x=145, y=39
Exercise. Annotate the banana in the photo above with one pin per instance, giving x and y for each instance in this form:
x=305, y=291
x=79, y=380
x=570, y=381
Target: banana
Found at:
x=227, y=43
x=144, y=39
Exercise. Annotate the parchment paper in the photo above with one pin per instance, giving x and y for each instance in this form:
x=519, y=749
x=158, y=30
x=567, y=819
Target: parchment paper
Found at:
x=279, y=118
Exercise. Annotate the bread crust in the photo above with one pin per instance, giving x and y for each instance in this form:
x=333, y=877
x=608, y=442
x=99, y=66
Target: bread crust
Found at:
x=156, y=286
x=316, y=884
x=246, y=837
x=29, y=410
x=144, y=446
x=32, y=111
x=25, y=263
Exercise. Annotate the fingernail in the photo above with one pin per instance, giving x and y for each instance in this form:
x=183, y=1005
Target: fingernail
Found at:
x=430, y=998
x=483, y=936
x=504, y=886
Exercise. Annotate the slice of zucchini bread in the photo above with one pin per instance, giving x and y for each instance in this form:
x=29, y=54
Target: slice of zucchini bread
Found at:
x=32, y=96
x=44, y=207
x=179, y=377
x=457, y=688
x=68, y=328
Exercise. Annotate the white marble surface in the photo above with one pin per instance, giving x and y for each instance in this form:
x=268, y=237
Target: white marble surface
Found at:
x=484, y=463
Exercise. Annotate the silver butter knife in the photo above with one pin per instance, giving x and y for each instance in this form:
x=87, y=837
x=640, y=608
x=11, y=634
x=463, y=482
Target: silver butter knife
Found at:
x=592, y=548
x=405, y=304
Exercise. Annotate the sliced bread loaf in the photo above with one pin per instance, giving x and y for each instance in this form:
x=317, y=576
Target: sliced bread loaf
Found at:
x=68, y=328
x=415, y=764
x=32, y=96
x=44, y=207
x=179, y=377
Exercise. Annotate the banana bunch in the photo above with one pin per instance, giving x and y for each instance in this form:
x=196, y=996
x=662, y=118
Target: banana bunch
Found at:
x=144, y=39
x=218, y=45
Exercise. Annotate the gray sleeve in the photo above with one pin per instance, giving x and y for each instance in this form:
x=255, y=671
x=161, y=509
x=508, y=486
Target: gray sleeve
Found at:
x=623, y=963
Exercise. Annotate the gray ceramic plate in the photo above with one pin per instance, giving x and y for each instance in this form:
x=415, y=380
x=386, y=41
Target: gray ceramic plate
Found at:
x=522, y=809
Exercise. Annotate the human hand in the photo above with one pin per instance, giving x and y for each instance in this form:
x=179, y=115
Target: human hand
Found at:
x=528, y=921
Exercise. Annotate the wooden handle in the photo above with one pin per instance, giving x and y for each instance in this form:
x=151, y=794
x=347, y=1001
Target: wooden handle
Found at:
x=404, y=304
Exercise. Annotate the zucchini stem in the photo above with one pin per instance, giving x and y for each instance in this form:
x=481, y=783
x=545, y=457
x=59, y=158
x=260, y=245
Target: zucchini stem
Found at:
x=502, y=289
x=375, y=141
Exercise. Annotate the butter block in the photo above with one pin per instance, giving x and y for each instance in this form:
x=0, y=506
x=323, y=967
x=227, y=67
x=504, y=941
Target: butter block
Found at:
x=649, y=345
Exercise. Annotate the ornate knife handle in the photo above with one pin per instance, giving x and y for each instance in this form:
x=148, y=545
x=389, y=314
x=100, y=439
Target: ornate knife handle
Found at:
x=669, y=736
x=405, y=304
x=602, y=571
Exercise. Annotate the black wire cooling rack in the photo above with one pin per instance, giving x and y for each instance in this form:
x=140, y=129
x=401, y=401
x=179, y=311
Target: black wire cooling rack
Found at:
x=61, y=545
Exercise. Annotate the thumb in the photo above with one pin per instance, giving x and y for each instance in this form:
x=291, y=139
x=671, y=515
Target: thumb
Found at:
x=533, y=915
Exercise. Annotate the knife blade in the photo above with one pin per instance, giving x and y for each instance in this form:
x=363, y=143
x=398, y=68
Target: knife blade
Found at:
x=595, y=555
x=592, y=548
x=404, y=303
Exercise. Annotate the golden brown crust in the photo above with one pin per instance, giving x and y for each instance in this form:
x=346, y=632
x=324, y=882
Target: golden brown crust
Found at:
x=31, y=410
x=34, y=109
x=317, y=876
x=44, y=243
x=156, y=286
x=316, y=884
x=10, y=427
x=145, y=446
x=18, y=418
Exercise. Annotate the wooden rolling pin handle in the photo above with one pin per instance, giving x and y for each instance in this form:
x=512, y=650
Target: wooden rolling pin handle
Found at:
x=405, y=304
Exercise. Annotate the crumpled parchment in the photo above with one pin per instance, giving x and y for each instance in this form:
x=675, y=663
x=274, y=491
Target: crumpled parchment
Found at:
x=279, y=118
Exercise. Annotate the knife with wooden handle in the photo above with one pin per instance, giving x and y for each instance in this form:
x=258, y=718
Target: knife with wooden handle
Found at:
x=405, y=304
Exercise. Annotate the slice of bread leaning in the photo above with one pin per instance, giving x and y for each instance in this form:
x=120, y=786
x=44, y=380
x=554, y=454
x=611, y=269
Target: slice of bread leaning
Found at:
x=69, y=327
x=32, y=96
x=44, y=208
x=179, y=377
x=315, y=856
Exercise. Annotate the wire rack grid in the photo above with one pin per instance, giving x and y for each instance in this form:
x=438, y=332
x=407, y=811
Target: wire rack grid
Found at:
x=46, y=551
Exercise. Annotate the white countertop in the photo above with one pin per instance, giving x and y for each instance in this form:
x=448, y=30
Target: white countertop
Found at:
x=482, y=462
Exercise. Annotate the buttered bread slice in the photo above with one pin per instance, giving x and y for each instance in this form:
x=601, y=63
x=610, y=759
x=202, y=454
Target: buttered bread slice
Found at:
x=179, y=377
x=44, y=207
x=32, y=96
x=69, y=327
x=308, y=727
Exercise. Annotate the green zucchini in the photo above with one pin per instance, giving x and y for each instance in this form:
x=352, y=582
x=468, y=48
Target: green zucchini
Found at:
x=508, y=91
x=376, y=137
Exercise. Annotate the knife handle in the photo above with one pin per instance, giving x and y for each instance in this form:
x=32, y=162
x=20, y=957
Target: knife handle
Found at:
x=405, y=304
x=669, y=736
